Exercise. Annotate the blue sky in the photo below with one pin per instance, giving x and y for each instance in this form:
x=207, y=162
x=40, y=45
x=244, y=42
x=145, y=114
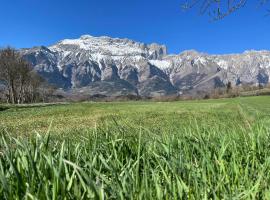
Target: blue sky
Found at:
x=27, y=23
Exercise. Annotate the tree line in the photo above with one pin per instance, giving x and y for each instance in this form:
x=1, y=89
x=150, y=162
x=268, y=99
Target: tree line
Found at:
x=19, y=83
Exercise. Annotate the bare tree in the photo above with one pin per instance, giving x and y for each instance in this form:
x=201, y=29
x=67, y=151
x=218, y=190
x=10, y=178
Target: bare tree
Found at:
x=32, y=87
x=8, y=71
x=229, y=87
x=16, y=74
x=46, y=91
x=218, y=9
x=24, y=77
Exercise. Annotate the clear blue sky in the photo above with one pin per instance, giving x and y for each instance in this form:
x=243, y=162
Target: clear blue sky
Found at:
x=27, y=23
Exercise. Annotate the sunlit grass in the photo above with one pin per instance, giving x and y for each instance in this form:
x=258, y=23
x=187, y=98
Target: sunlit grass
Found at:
x=216, y=149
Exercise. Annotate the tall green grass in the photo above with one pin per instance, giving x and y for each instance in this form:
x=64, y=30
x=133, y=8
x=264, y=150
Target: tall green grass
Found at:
x=129, y=161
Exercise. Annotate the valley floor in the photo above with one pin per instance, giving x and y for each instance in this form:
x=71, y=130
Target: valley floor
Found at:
x=140, y=150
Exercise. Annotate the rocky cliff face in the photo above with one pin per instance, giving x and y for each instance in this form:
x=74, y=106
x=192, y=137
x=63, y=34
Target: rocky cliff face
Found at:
x=112, y=67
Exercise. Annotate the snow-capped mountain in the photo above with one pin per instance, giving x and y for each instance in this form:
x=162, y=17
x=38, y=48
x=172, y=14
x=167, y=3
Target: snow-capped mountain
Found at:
x=113, y=66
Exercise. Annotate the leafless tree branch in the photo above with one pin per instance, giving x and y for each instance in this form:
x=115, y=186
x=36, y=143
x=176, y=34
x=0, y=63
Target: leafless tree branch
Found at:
x=218, y=9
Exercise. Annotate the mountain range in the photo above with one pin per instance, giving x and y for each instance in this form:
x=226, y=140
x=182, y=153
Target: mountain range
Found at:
x=115, y=67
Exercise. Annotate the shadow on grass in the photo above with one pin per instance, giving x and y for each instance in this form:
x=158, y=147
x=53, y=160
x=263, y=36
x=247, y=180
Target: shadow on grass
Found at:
x=26, y=106
x=3, y=108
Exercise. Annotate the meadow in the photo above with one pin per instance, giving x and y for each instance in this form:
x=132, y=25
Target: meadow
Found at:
x=207, y=149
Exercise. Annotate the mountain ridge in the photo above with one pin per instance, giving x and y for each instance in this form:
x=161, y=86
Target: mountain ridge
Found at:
x=114, y=66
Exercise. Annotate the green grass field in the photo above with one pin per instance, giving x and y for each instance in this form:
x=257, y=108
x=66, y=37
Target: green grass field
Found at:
x=212, y=149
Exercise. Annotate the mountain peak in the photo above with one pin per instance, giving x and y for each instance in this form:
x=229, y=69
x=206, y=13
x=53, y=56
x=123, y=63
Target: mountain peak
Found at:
x=252, y=51
x=107, y=46
x=84, y=37
x=191, y=52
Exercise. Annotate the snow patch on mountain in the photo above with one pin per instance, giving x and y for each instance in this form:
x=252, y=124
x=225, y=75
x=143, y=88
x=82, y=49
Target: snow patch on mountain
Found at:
x=161, y=64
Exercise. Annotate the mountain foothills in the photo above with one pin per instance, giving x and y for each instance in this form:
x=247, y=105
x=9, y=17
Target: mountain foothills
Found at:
x=115, y=67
